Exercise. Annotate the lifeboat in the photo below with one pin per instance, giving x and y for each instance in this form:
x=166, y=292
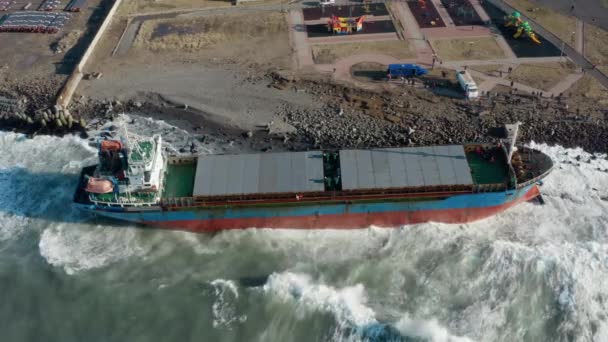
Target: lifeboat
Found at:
x=99, y=186
x=110, y=145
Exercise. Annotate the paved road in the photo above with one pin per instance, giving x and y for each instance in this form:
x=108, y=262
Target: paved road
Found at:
x=571, y=52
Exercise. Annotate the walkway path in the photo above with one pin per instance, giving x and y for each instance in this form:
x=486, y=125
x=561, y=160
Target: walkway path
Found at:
x=443, y=13
x=579, y=38
x=373, y=37
x=479, y=9
x=513, y=61
x=565, y=84
x=456, y=32
x=413, y=32
x=298, y=35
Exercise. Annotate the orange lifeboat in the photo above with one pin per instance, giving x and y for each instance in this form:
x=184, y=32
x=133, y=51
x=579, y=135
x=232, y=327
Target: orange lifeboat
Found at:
x=99, y=186
x=111, y=145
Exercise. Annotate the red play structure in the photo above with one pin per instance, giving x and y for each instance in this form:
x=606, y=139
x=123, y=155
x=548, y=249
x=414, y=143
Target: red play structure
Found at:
x=341, y=25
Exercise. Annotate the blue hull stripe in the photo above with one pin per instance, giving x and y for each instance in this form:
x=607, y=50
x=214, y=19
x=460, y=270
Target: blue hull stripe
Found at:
x=477, y=200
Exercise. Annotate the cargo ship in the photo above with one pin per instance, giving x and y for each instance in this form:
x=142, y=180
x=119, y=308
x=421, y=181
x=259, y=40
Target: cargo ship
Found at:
x=136, y=181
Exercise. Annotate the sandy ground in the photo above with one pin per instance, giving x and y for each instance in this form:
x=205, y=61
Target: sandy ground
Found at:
x=463, y=49
x=224, y=93
x=329, y=53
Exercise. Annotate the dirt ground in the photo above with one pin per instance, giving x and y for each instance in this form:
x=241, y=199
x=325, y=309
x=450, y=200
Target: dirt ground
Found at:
x=29, y=66
x=330, y=53
x=29, y=55
x=589, y=88
x=491, y=69
x=462, y=49
x=542, y=76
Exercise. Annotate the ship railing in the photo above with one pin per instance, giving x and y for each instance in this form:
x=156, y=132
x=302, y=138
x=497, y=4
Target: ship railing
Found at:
x=438, y=191
x=493, y=187
x=182, y=159
x=533, y=180
x=125, y=204
x=178, y=202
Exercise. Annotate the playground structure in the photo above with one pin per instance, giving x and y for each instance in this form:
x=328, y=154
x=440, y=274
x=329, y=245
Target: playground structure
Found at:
x=462, y=12
x=342, y=25
x=522, y=27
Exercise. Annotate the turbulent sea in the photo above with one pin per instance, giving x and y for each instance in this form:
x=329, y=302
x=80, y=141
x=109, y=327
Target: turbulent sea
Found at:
x=533, y=273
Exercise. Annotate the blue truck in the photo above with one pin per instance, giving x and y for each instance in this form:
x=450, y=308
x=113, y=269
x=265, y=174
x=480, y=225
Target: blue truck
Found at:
x=405, y=70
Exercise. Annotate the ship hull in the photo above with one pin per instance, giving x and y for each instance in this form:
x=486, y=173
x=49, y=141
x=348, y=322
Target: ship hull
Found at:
x=459, y=208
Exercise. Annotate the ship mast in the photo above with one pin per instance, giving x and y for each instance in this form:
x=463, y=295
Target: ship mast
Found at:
x=511, y=139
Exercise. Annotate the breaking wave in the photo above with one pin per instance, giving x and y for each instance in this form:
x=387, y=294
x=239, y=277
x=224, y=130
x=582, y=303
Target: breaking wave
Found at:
x=356, y=320
x=87, y=247
x=224, y=306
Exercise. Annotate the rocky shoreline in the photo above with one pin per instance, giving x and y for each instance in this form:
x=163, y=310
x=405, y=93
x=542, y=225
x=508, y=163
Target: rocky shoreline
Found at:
x=350, y=117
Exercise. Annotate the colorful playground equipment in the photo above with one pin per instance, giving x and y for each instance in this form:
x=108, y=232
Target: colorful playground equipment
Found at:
x=341, y=25
x=514, y=20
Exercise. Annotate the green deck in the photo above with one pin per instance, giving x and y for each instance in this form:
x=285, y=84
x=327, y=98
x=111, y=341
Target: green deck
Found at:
x=179, y=180
x=487, y=172
x=146, y=148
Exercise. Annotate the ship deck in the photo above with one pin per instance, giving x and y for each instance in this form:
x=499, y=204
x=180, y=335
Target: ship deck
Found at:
x=179, y=180
x=490, y=168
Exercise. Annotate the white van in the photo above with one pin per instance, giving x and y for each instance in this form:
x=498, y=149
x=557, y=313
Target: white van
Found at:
x=467, y=84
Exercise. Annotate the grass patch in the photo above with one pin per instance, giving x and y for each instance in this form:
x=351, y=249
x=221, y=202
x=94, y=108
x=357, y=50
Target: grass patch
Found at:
x=330, y=53
x=463, y=49
x=596, y=44
x=541, y=76
x=209, y=31
x=147, y=6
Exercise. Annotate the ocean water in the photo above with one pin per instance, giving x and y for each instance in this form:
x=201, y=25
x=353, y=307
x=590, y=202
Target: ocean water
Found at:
x=533, y=273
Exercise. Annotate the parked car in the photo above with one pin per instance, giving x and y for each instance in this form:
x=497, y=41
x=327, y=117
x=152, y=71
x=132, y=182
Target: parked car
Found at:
x=326, y=2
